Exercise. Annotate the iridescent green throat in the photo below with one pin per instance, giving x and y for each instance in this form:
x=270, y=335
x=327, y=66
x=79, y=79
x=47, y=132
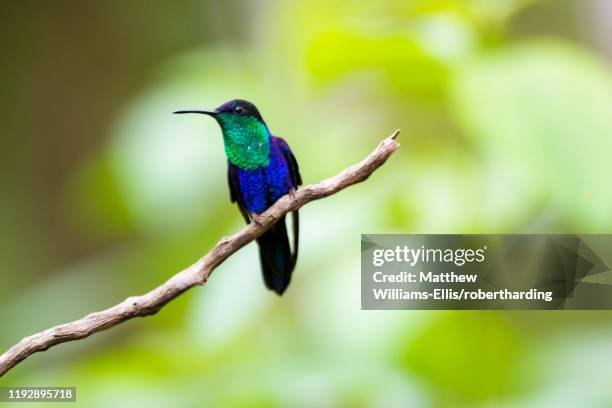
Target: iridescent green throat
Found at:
x=246, y=140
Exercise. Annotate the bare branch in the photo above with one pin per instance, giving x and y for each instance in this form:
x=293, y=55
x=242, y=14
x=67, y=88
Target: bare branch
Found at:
x=198, y=273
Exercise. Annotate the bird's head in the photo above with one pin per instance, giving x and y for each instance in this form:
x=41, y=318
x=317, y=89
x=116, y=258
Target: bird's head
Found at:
x=234, y=116
x=245, y=135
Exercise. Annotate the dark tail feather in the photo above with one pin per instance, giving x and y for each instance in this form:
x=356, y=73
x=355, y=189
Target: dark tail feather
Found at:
x=296, y=236
x=277, y=261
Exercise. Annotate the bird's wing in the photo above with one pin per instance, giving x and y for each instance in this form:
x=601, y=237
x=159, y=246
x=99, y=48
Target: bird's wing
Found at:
x=296, y=180
x=294, y=169
x=235, y=193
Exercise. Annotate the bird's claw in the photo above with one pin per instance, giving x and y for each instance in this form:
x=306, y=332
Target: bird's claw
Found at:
x=292, y=193
x=257, y=219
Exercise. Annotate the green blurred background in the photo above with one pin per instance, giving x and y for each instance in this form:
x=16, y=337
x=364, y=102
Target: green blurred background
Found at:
x=505, y=108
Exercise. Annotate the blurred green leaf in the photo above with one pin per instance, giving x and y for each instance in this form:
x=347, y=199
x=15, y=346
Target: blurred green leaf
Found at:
x=542, y=111
x=405, y=64
x=93, y=200
x=469, y=355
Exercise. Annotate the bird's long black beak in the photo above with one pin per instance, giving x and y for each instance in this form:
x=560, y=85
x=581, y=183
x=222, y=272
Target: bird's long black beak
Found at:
x=202, y=111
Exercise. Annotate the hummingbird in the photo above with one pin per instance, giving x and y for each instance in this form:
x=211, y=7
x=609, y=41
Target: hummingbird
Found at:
x=261, y=168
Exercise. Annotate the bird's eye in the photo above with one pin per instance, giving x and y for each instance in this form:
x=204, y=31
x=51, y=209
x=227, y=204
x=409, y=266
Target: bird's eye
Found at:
x=238, y=109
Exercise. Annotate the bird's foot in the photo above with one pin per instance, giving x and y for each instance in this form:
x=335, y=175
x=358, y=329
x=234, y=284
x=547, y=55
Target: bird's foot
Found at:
x=257, y=219
x=292, y=193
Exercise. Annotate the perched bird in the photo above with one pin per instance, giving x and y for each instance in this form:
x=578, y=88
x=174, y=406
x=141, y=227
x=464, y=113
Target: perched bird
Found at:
x=261, y=168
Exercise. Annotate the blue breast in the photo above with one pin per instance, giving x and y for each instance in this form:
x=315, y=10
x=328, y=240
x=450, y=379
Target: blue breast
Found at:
x=261, y=187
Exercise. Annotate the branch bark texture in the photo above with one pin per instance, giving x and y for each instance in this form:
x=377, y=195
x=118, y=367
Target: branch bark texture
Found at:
x=198, y=273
